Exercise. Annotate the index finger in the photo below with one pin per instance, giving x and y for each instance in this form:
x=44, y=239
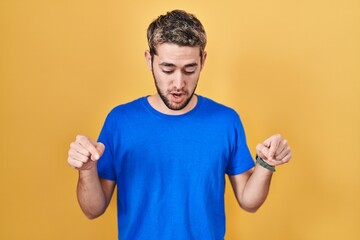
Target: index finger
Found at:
x=89, y=145
x=274, y=143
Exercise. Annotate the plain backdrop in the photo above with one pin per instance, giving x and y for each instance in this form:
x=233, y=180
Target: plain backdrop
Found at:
x=289, y=67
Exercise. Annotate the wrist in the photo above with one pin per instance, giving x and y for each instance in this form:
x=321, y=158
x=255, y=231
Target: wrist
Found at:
x=264, y=164
x=88, y=172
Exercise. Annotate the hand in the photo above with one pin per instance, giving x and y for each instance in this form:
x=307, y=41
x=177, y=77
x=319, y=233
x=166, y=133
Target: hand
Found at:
x=274, y=150
x=84, y=153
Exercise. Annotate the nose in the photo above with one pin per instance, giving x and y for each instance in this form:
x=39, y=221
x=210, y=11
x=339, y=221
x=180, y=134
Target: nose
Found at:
x=179, y=81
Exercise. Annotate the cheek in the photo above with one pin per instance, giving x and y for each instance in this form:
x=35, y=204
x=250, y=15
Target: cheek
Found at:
x=161, y=80
x=193, y=80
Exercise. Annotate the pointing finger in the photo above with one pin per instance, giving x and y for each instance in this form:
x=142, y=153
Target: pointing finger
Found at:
x=100, y=148
x=262, y=151
x=89, y=145
x=274, y=143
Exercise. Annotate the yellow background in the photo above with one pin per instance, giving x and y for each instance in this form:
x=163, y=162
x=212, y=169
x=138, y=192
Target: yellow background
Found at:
x=289, y=67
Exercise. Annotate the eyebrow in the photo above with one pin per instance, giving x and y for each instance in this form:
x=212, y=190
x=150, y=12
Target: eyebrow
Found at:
x=165, y=64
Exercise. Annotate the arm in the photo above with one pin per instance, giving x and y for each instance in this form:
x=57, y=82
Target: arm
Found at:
x=252, y=187
x=93, y=193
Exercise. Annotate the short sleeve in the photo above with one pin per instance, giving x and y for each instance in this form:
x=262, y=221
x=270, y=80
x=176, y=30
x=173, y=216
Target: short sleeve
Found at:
x=241, y=159
x=106, y=162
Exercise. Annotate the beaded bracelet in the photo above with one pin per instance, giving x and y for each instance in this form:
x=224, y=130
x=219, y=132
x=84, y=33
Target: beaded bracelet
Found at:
x=264, y=164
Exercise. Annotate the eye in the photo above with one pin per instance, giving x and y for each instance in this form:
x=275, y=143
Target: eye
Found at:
x=167, y=72
x=189, y=72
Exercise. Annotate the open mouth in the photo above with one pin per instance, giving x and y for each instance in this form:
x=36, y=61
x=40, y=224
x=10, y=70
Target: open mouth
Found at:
x=178, y=97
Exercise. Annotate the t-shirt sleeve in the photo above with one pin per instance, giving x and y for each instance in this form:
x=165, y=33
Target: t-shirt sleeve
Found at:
x=241, y=159
x=105, y=164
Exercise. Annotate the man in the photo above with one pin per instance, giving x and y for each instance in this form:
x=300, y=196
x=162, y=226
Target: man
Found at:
x=168, y=153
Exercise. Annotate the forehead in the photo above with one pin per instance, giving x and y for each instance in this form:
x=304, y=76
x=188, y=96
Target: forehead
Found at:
x=172, y=53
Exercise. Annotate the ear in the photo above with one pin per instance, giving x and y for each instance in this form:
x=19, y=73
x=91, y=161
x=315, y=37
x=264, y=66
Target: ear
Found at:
x=148, y=59
x=203, y=59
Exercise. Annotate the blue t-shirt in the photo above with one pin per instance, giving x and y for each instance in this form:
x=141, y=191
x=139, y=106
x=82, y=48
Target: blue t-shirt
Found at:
x=170, y=170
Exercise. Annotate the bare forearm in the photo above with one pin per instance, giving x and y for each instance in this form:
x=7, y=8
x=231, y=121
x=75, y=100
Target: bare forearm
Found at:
x=256, y=189
x=251, y=188
x=90, y=194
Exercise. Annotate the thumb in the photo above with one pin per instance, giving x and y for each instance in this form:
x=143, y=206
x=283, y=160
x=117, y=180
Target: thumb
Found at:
x=100, y=148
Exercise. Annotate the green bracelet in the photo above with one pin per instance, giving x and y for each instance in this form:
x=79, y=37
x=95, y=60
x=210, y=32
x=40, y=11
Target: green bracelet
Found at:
x=264, y=164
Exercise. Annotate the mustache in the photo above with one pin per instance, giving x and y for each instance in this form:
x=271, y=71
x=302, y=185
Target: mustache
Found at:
x=178, y=91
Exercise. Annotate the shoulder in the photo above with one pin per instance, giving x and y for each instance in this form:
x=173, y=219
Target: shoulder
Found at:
x=218, y=109
x=126, y=111
x=128, y=108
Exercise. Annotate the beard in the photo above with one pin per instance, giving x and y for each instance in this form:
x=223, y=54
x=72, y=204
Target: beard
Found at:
x=166, y=99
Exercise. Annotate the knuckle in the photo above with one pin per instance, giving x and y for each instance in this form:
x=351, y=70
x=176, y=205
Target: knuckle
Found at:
x=80, y=137
x=84, y=159
x=73, y=163
x=288, y=150
x=258, y=147
x=79, y=164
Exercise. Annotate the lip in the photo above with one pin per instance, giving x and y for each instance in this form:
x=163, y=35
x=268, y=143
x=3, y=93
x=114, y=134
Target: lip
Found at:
x=177, y=97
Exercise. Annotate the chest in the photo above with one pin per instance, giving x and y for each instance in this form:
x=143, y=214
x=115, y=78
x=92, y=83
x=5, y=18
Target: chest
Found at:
x=174, y=147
